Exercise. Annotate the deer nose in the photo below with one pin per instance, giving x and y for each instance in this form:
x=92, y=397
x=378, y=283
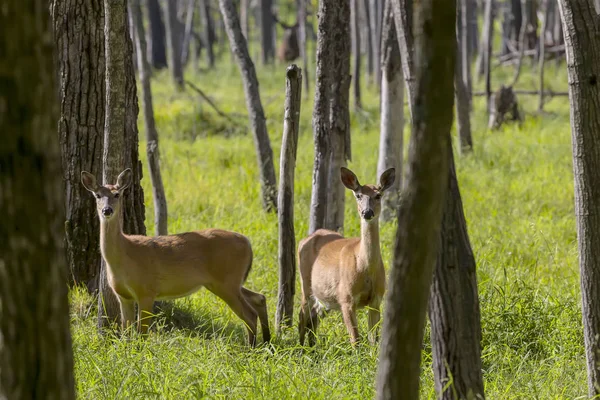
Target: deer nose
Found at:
x=368, y=215
x=107, y=211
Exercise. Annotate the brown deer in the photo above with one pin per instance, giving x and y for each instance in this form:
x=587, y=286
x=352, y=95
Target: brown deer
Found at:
x=345, y=273
x=142, y=269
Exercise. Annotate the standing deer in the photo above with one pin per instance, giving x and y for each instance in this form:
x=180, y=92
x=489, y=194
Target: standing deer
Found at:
x=142, y=269
x=345, y=273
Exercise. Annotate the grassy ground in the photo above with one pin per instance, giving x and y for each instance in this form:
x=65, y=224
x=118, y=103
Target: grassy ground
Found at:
x=517, y=189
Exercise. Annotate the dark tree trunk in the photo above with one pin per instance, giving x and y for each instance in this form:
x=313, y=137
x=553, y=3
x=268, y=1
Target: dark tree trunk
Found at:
x=174, y=44
x=368, y=28
x=473, y=29
x=302, y=43
x=375, y=38
x=120, y=136
x=262, y=143
x=208, y=31
x=354, y=11
x=420, y=214
x=392, y=114
x=461, y=87
x=522, y=42
x=463, y=52
x=188, y=31
x=581, y=25
x=542, y=58
x=485, y=47
x=156, y=46
x=454, y=305
x=266, y=31
x=36, y=357
x=330, y=115
x=403, y=15
x=285, y=201
x=79, y=38
x=158, y=190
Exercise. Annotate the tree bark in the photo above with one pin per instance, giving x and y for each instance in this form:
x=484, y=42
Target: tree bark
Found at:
x=403, y=16
x=473, y=29
x=392, y=114
x=581, y=25
x=420, y=214
x=36, y=357
x=158, y=190
x=78, y=35
x=461, y=90
x=262, y=143
x=302, y=43
x=486, y=53
x=174, y=48
x=120, y=137
x=522, y=42
x=285, y=201
x=542, y=60
x=368, y=29
x=187, y=35
x=266, y=31
x=375, y=38
x=463, y=50
x=208, y=32
x=157, y=36
x=354, y=11
x=454, y=305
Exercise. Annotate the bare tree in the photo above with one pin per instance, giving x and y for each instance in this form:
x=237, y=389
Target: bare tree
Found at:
x=266, y=31
x=208, y=31
x=546, y=10
x=367, y=30
x=188, y=31
x=80, y=60
x=355, y=18
x=392, y=114
x=581, y=23
x=403, y=15
x=454, y=305
x=285, y=201
x=461, y=85
x=120, y=136
x=302, y=43
x=485, y=54
x=158, y=190
x=420, y=214
x=174, y=47
x=374, y=43
x=36, y=357
x=156, y=46
x=262, y=143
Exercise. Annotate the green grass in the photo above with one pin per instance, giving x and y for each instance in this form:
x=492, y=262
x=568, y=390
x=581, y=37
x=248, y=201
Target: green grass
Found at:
x=517, y=189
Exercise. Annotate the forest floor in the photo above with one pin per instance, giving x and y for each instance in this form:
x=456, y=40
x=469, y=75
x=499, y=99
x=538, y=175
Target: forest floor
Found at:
x=517, y=189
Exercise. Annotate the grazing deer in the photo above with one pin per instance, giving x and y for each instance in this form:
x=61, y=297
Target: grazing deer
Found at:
x=142, y=269
x=345, y=273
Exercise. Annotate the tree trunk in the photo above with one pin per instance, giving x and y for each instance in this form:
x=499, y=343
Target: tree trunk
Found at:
x=473, y=29
x=403, y=16
x=420, y=214
x=157, y=36
x=581, y=26
x=244, y=17
x=542, y=60
x=209, y=32
x=454, y=305
x=120, y=137
x=262, y=143
x=285, y=201
x=302, y=43
x=174, y=44
x=158, y=191
x=36, y=357
x=189, y=29
x=463, y=51
x=485, y=47
x=78, y=34
x=266, y=31
x=368, y=28
x=461, y=90
x=392, y=114
x=354, y=11
x=522, y=42
x=375, y=38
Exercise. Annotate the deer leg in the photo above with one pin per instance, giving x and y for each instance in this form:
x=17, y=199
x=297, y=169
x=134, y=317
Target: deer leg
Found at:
x=259, y=302
x=127, y=312
x=145, y=305
x=303, y=317
x=349, y=315
x=313, y=323
x=238, y=304
x=374, y=317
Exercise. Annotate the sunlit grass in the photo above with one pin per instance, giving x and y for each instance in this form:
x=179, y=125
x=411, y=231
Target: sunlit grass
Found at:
x=517, y=189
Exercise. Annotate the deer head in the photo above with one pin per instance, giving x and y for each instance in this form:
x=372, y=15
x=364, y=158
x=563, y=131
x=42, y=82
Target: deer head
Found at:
x=108, y=197
x=368, y=197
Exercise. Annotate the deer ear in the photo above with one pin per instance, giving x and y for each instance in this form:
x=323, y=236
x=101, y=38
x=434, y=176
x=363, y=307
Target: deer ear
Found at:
x=124, y=180
x=89, y=181
x=349, y=179
x=387, y=178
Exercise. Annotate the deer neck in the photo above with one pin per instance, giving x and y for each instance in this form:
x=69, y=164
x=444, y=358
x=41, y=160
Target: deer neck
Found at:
x=369, y=251
x=111, y=239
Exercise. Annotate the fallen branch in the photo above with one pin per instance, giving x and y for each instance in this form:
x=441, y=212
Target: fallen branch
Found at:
x=209, y=101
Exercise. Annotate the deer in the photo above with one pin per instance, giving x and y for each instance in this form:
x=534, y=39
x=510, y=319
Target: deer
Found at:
x=142, y=269
x=345, y=274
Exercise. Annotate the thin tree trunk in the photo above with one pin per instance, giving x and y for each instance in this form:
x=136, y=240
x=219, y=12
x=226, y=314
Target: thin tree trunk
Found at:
x=158, y=191
x=420, y=214
x=463, y=50
x=542, y=60
x=473, y=29
x=487, y=53
x=187, y=35
x=403, y=15
x=461, y=90
x=244, y=13
x=209, y=32
x=454, y=305
x=266, y=31
x=120, y=137
x=80, y=57
x=375, y=38
x=522, y=43
x=157, y=37
x=392, y=115
x=368, y=28
x=302, y=44
x=262, y=143
x=174, y=44
x=285, y=201
x=354, y=11
x=581, y=25
x=36, y=357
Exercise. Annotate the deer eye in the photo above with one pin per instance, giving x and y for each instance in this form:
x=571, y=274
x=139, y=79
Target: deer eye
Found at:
x=97, y=195
x=117, y=195
x=378, y=196
x=357, y=195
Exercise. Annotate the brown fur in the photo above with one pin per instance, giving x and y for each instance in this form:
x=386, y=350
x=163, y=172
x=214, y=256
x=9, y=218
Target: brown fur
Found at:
x=143, y=269
x=345, y=274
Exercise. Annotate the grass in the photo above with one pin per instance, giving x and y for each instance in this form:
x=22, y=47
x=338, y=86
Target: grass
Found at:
x=517, y=189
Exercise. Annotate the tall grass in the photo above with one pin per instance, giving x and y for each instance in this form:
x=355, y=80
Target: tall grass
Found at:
x=517, y=189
